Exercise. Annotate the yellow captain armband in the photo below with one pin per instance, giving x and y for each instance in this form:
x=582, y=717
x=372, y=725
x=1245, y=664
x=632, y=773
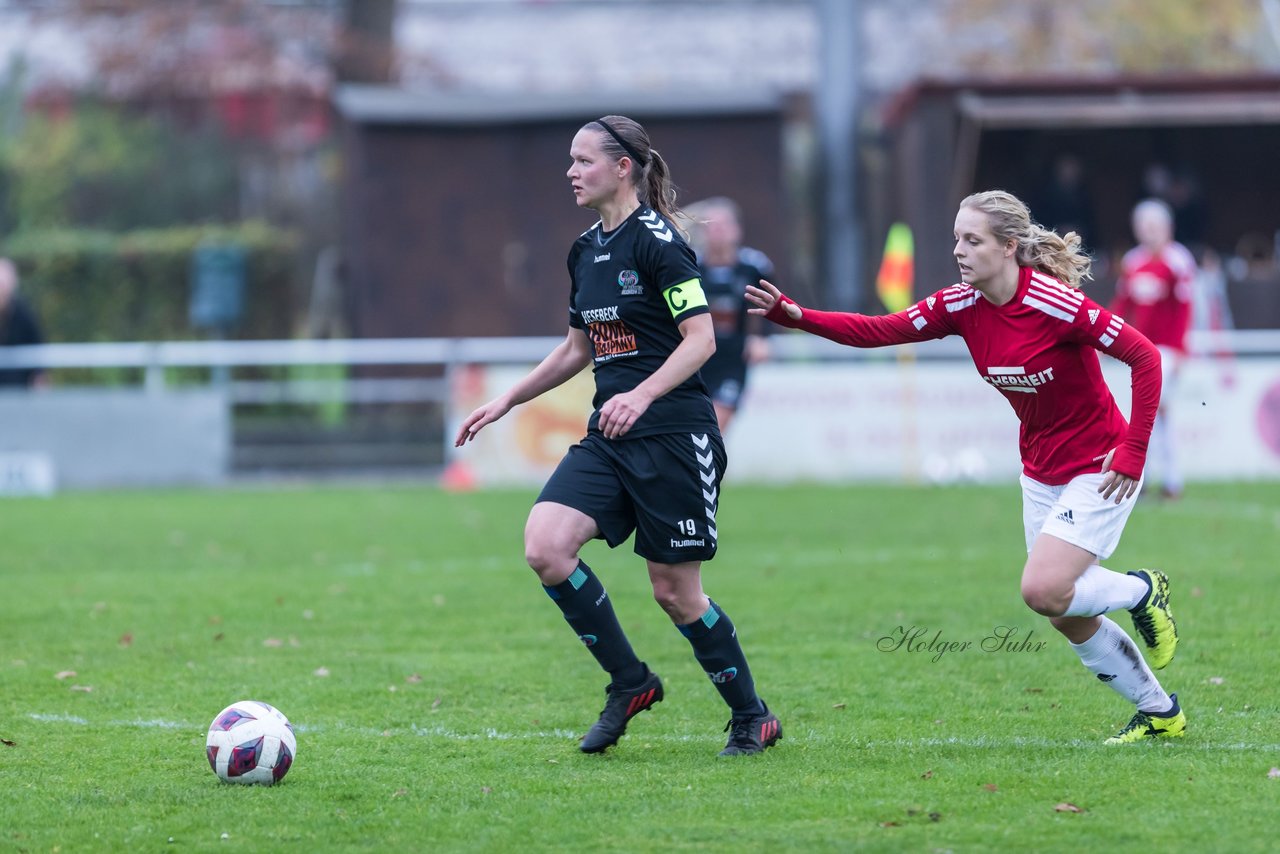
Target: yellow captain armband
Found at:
x=684, y=296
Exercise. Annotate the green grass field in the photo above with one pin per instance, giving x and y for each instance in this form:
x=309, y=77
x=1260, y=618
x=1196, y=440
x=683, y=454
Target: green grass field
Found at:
x=438, y=694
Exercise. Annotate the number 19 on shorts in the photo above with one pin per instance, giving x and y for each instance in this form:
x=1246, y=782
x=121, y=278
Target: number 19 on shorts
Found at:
x=687, y=527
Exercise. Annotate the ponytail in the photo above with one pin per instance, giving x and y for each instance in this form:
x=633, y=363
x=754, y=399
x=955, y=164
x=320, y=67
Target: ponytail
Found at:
x=1039, y=248
x=624, y=137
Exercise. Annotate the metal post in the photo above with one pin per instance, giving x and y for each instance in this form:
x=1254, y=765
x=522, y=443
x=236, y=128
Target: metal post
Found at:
x=837, y=105
x=153, y=373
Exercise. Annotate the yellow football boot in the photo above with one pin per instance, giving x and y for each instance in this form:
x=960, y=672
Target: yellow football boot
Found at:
x=1153, y=619
x=1170, y=724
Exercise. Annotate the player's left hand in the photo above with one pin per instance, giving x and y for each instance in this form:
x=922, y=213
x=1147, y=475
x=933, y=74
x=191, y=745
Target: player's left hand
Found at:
x=620, y=412
x=1121, y=485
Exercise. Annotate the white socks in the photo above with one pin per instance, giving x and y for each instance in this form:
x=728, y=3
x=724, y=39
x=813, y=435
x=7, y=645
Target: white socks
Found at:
x=1163, y=453
x=1100, y=590
x=1114, y=658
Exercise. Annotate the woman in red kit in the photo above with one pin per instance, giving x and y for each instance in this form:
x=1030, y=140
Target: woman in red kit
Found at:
x=1154, y=293
x=1035, y=337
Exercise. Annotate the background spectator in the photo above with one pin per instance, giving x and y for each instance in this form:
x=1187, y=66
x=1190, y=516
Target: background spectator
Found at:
x=18, y=327
x=1067, y=204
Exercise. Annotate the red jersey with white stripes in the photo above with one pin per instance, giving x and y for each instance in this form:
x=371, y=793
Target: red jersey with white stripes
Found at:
x=1039, y=350
x=1154, y=293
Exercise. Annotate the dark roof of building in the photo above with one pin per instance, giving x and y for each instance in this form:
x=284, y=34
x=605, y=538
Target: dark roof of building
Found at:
x=391, y=105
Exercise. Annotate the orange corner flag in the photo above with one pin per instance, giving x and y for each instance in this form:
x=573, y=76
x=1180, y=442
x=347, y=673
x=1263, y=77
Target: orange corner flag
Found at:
x=897, y=268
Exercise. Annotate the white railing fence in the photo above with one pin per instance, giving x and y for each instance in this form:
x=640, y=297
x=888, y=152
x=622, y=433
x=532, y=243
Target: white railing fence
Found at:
x=153, y=358
x=195, y=412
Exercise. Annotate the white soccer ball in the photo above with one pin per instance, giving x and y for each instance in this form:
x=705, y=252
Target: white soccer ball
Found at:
x=251, y=742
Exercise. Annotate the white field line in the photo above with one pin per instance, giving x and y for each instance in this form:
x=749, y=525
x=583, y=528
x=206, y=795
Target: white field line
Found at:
x=853, y=550
x=489, y=734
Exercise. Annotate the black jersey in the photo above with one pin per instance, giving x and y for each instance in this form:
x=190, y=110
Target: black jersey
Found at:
x=631, y=289
x=726, y=289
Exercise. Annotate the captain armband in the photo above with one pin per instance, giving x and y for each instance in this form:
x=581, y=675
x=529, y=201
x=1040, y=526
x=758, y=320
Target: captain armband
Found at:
x=684, y=296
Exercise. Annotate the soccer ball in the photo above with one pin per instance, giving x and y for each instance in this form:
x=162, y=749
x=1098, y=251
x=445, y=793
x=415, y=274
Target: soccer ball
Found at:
x=251, y=742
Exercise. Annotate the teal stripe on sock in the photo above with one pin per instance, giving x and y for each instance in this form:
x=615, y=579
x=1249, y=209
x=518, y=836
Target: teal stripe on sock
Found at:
x=710, y=618
x=578, y=578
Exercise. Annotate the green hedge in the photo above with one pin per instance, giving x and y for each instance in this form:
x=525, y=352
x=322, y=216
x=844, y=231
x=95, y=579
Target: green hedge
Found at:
x=136, y=286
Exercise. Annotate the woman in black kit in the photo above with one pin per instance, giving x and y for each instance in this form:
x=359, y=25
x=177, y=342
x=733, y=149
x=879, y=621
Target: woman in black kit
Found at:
x=653, y=457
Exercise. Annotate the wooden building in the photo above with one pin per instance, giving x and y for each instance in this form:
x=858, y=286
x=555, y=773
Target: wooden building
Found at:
x=458, y=217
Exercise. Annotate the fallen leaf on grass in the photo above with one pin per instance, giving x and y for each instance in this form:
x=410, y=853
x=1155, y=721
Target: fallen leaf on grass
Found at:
x=126, y=639
x=1033, y=690
x=889, y=824
x=837, y=705
x=64, y=674
x=935, y=816
x=484, y=790
x=1066, y=807
x=273, y=642
x=7, y=743
x=991, y=787
x=1197, y=592
x=320, y=671
x=399, y=793
x=1273, y=773
x=84, y=688
x=927, y=774
x=1216, y=680
x=219, y=636
x=436, y=703
x=413, y=678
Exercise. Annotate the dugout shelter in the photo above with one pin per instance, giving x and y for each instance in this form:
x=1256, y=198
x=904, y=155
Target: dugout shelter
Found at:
x=944, y=139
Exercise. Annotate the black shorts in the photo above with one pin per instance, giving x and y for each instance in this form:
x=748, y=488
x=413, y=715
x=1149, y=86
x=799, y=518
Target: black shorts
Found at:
x=666, y=488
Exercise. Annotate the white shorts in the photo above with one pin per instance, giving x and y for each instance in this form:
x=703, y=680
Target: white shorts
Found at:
x=1075, y=513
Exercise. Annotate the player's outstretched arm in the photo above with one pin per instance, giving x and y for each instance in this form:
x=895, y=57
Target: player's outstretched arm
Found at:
x=565, y=361
x=854, y=330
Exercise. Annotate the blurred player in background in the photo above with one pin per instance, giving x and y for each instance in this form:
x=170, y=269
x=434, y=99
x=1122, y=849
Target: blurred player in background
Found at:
x=18, y=328
x=1035, y=337
x=727, y=267
x=1155, y=293
x=653, y=457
